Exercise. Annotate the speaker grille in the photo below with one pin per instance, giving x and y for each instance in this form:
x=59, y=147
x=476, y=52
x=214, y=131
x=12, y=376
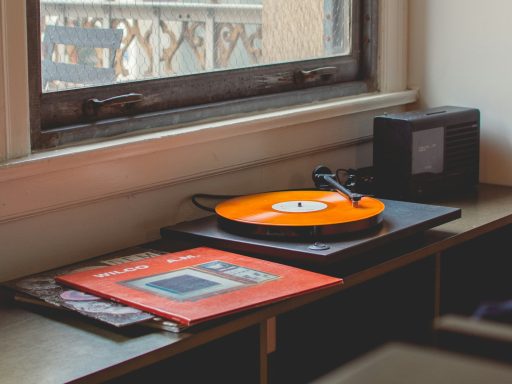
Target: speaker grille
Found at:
x=461, y=147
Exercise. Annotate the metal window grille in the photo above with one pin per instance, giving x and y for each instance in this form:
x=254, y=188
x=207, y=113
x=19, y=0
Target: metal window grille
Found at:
x=94, y=61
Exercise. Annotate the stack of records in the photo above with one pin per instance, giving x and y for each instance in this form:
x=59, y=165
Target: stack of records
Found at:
x=167, y=291
x=42, y=289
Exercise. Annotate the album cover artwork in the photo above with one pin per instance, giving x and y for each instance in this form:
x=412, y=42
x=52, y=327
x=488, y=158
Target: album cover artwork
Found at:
x=195, y=285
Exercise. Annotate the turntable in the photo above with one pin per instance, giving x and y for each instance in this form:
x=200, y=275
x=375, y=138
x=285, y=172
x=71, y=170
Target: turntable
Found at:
x=323, y=225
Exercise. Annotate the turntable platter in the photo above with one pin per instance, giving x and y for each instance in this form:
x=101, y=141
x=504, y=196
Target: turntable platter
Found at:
x=304, y=212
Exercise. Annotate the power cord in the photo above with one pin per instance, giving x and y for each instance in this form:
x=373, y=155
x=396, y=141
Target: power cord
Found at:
x=197, y=196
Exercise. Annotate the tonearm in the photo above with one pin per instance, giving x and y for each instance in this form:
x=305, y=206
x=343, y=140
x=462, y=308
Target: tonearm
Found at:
x=325, y=179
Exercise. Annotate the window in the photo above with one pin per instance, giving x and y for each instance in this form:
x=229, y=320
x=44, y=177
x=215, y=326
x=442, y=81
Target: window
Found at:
x=102, y=68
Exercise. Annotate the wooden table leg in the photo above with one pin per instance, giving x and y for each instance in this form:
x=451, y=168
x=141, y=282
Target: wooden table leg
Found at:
x=437, y=285
x=267, y=345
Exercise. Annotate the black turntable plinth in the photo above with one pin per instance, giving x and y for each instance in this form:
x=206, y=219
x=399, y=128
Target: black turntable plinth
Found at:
x=400, y=220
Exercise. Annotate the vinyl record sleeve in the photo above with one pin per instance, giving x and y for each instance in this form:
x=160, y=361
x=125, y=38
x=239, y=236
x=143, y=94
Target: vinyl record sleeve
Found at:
x=43, y=288
x=198, y=284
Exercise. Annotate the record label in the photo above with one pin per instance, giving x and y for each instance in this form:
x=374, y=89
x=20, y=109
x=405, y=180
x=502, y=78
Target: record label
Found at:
x=299, y=206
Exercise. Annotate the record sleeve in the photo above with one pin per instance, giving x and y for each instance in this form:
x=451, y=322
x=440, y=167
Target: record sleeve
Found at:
x=44, y=288
x=198, y=284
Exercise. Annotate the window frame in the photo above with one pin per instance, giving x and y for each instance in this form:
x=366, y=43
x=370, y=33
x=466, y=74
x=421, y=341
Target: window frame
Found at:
x=53, y=116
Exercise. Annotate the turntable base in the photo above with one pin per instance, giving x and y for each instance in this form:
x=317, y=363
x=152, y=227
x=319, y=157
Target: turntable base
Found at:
x=399, y=220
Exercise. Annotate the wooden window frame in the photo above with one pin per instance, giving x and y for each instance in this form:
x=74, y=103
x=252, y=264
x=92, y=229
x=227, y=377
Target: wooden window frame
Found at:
x=63, y=118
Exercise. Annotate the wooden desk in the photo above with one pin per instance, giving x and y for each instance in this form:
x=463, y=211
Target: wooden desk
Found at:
x=54, y=347
x=488, y=210
x=39, y=347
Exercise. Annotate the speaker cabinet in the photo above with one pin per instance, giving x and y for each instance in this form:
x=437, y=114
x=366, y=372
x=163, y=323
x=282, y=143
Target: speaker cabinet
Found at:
x=426, y=154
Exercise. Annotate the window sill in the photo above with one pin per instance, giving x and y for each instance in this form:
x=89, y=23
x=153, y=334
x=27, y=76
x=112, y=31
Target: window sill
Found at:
x=55, y=179
x=194, y=134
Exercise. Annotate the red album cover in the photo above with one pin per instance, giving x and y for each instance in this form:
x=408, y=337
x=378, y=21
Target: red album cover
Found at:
x=198, y=284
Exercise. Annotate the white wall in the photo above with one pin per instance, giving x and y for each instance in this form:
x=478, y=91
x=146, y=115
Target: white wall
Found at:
x=460, y=53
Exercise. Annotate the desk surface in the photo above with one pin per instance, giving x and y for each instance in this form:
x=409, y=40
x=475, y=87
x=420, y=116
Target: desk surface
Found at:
x=38, y=346
x=482, y=212
x=49, y=346
x=488, y=209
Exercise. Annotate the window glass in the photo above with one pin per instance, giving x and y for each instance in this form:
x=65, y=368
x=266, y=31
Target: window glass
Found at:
x=101, y=68
x=160, y=39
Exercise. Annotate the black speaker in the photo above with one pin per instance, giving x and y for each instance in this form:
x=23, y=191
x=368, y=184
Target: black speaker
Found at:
x=426, y=154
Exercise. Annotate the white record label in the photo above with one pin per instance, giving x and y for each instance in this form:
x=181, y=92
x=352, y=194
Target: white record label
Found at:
x=299, y=206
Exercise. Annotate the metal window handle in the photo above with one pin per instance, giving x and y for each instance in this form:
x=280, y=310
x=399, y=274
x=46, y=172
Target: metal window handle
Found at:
x=91, y=106
x=129, y=98
x=323, y=73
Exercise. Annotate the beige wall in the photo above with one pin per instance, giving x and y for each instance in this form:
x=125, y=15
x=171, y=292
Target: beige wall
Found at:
x=460, y=53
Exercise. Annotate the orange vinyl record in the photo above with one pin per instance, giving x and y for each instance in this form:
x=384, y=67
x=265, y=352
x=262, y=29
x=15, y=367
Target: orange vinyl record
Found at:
x=299, y=213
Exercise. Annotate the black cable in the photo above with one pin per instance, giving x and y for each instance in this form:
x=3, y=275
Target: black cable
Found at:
x=223, y=197
x=209, y=196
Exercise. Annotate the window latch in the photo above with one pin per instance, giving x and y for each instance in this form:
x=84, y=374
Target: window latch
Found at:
x=323, y=73
x=92, y=105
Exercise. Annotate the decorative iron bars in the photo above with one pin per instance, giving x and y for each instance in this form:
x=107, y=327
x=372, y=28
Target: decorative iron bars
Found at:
x=160, y=38
x=163, y=38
